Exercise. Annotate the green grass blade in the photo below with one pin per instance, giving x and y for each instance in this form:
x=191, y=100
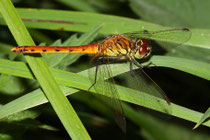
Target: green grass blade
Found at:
x=40, y=69
x=198, y=68
x=82, y=22
x=204, y=117
x=82, y=82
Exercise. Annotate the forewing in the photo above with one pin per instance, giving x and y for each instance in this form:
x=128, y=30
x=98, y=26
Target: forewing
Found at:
x=107, y=88
x=176, y=36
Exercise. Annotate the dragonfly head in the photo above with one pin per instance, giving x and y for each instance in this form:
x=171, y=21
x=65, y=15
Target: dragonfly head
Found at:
x=143, y=49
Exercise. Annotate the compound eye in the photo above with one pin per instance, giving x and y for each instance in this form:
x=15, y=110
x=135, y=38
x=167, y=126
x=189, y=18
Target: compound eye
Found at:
x=143, y=49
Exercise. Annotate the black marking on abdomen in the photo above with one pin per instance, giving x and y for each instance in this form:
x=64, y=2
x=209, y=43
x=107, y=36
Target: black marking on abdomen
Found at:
x=32, y=50
x=44, y=50
x=83, y=49
x=57, y=50
x=70, y=50
x=24, y=50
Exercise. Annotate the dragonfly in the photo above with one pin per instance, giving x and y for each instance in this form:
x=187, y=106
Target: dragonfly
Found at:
x=128, y=47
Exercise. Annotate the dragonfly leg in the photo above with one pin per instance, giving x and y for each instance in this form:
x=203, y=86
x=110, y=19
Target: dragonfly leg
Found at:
x=96, y=72
x=137, y=63
x=142, y=66
x=103, y=58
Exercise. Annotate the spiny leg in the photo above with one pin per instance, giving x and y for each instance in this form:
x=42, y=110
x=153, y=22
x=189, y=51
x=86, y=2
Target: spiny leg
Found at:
x=96, y=72
x=137, y=63
x=140, y=65
x=104, y=58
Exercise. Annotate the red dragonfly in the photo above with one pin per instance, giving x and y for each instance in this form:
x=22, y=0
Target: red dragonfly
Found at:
x=128, y=47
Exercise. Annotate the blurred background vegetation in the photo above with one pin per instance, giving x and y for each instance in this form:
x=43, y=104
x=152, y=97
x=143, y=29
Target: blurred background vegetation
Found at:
x=182, y=88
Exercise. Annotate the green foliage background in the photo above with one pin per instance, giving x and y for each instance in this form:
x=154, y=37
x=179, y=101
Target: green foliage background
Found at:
x=26, y=82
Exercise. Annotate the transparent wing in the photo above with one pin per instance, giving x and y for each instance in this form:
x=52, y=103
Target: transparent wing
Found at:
x=141, y=81
x=107, y=88
x=176, y=36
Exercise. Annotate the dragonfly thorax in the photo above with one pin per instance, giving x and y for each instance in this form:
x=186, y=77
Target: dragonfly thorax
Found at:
x=142, y=49
x=124, y=48
x=116, y=46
